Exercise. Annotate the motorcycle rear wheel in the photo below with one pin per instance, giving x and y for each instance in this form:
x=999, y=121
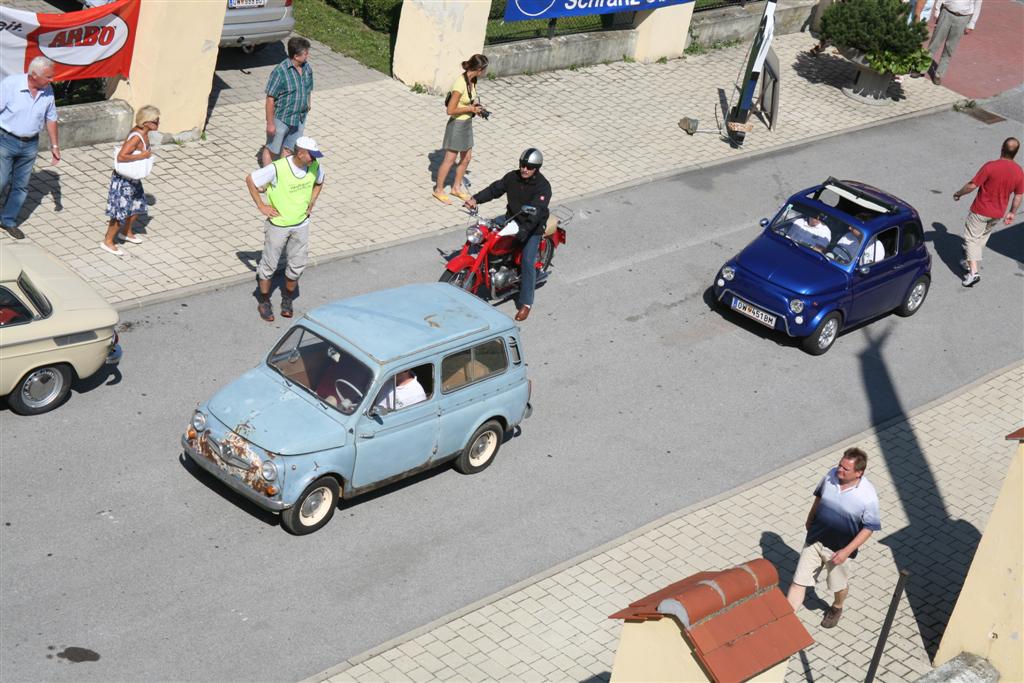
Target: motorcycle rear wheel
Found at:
x=463, y=279
x=547, y=252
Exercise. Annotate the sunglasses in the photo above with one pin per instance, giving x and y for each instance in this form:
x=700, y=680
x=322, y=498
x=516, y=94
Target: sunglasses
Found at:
x=532, y=167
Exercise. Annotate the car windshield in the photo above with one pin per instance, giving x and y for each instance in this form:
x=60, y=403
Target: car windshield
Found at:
x=818, y=231
x=324, y=369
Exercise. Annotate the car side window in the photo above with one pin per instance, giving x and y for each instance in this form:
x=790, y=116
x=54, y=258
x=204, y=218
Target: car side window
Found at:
x=881, y=247
x=12, y=310
x=473, y=365
x=912, y=236
x=406, y=388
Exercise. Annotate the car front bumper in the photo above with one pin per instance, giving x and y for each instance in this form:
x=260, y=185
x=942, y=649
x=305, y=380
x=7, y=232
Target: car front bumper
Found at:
x=233, y=483
x=785, y=321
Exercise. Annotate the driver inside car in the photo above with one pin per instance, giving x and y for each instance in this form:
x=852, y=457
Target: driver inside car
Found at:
x=812, y=232
x=406, y=391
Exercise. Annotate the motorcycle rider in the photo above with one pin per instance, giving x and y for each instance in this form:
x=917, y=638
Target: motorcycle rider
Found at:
x=526, y=186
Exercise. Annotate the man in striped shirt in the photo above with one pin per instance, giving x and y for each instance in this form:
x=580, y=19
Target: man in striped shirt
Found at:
x=289, y=94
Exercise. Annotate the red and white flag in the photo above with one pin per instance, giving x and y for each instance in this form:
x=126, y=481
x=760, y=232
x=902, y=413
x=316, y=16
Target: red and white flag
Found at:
x=91, y=43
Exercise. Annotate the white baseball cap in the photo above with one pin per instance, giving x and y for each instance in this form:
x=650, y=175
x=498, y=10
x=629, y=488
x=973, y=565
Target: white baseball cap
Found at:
x=309, y=144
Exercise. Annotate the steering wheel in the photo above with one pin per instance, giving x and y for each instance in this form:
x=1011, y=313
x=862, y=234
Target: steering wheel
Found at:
x=337, y=390
x=845, y=254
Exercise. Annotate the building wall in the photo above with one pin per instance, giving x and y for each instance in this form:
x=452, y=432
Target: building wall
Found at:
x=987, y=618
x=435, y=37
x=173, y=63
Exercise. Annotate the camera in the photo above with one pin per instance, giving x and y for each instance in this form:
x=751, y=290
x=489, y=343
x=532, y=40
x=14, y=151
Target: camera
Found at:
x=484, y=113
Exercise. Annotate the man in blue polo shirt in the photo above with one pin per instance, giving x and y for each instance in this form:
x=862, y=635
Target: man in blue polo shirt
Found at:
x=843, y=516
x=26, y=105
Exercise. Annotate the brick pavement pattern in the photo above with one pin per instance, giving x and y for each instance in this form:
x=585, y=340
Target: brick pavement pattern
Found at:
x=937, y=473
x=381, y=142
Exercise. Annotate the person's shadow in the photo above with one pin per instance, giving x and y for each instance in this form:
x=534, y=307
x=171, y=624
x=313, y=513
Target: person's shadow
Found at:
x=41, y=184
x=434, y=160
x=948, y=247
x=777, y=551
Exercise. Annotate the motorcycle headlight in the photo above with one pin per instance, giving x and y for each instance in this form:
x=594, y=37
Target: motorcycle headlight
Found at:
x=269, y=470
x=474, y=236
x=796, y=306
x=198, y=421
x=728, y=273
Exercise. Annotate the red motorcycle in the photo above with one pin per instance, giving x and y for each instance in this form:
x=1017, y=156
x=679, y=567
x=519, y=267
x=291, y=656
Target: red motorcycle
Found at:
x=488, y=263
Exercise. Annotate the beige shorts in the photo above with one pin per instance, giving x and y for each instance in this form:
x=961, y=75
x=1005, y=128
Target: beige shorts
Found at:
x=976, y=232
x=814, y=558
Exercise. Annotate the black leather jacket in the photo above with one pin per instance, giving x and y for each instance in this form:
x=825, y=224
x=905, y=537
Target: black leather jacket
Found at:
x=535, y=191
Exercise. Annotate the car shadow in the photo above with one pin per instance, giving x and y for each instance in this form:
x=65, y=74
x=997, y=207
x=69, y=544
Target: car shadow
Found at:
x=779, y=338
x=211, y=482
x=948, y=247
x=108, y=375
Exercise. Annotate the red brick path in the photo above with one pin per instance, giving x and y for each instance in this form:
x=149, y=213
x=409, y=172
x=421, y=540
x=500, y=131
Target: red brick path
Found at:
x=991, y=59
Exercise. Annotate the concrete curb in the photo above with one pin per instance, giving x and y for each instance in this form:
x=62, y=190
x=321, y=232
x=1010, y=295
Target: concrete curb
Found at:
x=230, y=281
x=415, y=633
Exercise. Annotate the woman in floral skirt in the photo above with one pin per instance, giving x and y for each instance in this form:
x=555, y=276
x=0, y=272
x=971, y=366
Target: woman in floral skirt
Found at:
x=126, y=199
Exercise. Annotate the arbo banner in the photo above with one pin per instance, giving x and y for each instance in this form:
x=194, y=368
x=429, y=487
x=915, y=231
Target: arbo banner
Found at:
x=91, y=43
x=521, y=10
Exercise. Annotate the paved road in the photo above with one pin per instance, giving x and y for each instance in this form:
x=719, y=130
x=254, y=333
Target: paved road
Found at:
x=646, y=400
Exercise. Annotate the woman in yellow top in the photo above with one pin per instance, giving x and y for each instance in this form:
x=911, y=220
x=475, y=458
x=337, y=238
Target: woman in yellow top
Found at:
x=458, y=134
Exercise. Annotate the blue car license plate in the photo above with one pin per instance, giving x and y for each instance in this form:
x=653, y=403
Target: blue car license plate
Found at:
x=239, y=4
x=763, y=317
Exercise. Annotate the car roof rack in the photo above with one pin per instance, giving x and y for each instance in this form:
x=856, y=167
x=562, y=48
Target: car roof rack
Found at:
x=860, y=197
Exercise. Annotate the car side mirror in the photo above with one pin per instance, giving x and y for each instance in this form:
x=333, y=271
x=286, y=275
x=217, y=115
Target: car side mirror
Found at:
x=763, y=222
x=864, y=270
x=377, y=411
x=530, y=210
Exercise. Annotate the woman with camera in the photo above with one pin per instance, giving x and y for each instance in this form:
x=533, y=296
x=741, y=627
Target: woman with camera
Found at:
x=462, y=105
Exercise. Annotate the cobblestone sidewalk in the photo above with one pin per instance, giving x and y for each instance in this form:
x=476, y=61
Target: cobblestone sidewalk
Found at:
x=937, y=473
x=599, y=127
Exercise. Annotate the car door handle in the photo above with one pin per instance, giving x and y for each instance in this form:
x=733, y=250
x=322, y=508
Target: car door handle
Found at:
x=365, y=435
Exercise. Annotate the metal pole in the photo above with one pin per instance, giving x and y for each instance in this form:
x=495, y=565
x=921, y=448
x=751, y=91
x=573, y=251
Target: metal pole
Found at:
x=551, y=27
x=890, y=615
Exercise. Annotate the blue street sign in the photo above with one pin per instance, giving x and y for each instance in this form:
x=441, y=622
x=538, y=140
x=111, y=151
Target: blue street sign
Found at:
x=521, y=10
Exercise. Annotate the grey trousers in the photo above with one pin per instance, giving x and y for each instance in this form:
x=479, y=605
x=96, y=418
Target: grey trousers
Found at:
x=948, y=31
x=293, y=242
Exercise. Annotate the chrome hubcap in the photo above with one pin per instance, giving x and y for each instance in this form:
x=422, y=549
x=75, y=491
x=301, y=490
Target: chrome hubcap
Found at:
x=483, y=448
x=828, y=333
x=916, y=296
x=316, y=505
x=42, y=387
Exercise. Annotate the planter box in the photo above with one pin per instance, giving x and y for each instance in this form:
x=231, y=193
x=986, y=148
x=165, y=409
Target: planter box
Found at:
x=868, y=85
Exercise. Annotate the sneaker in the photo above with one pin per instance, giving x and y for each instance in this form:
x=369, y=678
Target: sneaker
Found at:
x=831, y=618
x=286, y=306
x=971, y=280
x=266, y=311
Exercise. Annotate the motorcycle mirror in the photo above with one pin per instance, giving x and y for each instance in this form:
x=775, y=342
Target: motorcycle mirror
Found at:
x=530, y=210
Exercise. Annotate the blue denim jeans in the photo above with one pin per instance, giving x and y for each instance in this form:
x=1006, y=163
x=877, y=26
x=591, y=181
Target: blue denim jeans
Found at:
x=16, y=159
x=528, y=271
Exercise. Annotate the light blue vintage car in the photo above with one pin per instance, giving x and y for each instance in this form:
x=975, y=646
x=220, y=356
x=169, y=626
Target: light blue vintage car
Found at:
x=360, y=393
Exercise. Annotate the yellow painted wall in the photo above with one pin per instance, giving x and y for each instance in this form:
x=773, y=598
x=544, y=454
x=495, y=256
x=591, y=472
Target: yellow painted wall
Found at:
x=657, y=651
x=987, y=619
x=435, y=37
x=662, y=32
x=174, y=59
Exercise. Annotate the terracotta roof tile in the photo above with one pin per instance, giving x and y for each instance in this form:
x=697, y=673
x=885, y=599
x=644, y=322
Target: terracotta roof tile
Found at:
x=1016, y=436
x=737, y=621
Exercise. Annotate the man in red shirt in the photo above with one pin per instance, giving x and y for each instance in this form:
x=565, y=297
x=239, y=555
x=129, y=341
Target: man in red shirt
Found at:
x=995, y=182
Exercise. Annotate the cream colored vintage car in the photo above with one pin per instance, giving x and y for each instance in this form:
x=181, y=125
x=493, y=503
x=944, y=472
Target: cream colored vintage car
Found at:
x=54, y=328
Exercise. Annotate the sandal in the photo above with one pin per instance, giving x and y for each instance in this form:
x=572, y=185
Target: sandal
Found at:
x=134, y=239
x=266, y=311
x=461, y=195
x=116, y=251
x=286, y=307
x=442, y=197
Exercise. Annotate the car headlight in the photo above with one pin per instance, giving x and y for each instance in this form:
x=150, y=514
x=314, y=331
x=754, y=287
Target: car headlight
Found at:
x=198, y=421
x=474, y=236
x=796, y=306
x=269, y=470
x=728, y=273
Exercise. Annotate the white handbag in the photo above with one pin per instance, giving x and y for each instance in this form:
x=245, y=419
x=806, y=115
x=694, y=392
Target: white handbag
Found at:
x=136, y=170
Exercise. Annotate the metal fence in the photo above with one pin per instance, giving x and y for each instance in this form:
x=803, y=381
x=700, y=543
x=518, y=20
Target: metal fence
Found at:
x=498, y=31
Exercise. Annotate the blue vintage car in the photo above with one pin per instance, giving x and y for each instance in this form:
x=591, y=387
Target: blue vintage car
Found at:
x=835, y=255
x=360, y=393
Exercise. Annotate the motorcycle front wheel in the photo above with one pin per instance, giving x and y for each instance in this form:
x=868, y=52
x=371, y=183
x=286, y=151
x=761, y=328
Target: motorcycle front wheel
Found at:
x=464, y=279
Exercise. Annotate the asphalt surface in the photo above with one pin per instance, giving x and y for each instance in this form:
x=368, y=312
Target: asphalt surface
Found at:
x=646, y=400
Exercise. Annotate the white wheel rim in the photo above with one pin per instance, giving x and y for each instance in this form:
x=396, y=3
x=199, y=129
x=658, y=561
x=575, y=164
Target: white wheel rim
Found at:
x=42, y=387
x=316, y=506
x=916, y=296
x=483, y=448
x=828, y=334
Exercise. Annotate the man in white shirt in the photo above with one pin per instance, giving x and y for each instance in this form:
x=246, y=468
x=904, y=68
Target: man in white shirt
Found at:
x=408, y=391
x=956, y=18
x=812, y=231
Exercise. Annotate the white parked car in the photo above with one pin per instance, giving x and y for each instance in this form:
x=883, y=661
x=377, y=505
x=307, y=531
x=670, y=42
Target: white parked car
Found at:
x=54, y=328
x=248, y=24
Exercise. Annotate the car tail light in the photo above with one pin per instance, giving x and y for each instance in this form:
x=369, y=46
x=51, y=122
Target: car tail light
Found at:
x=116, y=338
x=287, y=3
x=529, y=390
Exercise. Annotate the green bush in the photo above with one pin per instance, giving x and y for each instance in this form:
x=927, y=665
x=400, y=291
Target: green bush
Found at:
x=382, y=15
x=879, y=29
x=353, y=7
x=497, y=9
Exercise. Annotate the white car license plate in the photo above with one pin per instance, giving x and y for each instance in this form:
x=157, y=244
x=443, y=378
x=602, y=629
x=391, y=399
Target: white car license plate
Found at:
x=766, y=319
x=238, y=4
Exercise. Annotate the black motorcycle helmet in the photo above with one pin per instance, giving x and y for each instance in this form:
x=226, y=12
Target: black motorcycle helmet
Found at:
x=531, y=158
